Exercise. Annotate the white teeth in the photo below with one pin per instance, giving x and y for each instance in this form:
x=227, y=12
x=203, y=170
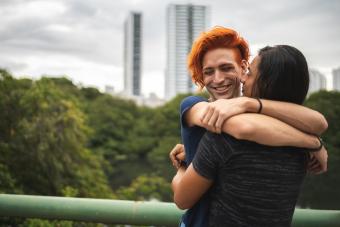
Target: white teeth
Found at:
x=221, y=88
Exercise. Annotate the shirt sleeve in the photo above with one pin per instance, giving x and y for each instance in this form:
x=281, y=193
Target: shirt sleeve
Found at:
x=186, y=104
x=211, y=153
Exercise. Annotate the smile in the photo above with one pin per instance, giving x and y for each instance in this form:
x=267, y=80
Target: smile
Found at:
x=223, y=88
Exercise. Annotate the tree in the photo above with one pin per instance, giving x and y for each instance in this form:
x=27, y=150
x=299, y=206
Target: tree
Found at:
x=48, y=150
x=322, y=191
x=11, y=92
x=146, y=187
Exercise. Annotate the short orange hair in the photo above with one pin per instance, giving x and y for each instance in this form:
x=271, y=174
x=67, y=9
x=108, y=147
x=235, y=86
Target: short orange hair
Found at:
x=218, y=37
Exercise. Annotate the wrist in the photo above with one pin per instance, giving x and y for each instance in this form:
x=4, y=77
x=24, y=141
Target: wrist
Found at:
x=318, y=144
x=251, y=105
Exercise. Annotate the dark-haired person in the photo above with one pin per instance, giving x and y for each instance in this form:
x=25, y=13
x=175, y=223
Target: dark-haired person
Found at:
x=251, y=184
x=217, y=60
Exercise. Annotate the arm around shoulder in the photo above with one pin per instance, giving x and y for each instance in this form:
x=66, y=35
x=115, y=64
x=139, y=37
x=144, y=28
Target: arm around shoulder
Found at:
x=266, y=130
x=298, y=116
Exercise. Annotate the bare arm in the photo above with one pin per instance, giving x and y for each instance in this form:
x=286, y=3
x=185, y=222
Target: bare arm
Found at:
x=254, y=127
x=188, y=187
x=268, y=131
x=298, y=116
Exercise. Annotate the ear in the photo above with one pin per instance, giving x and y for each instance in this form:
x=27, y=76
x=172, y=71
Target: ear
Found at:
x=244, y=68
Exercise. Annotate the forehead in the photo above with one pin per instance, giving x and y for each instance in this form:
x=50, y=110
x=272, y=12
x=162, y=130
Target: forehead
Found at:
x=221, y=55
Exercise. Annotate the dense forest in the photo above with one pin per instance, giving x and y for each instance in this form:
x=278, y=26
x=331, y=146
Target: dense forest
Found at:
x=64, y=140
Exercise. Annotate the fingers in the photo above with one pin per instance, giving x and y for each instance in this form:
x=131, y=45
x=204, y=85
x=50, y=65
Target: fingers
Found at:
x=207, y=115
x=312, y=163
x=180, y=156
x=219, y=122
x=315, y=166
x=173, y=154
x=210, y=118
x=178, y=149
x=322, y=157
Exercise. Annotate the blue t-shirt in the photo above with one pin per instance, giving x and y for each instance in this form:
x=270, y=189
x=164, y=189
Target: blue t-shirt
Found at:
x=191, y=136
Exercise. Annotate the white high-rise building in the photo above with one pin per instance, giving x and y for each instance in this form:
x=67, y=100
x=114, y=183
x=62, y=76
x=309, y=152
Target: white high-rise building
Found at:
x=184, y=25
x=133, y=54
x=317, y=81
x=336, y=79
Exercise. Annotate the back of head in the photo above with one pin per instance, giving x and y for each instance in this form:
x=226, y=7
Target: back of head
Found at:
x=218, y=37
x=283, y=74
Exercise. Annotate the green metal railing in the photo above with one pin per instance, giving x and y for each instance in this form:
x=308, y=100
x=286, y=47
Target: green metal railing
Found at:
x=125, y=212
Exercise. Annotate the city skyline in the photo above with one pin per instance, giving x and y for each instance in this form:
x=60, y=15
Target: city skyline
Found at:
x=84, y=39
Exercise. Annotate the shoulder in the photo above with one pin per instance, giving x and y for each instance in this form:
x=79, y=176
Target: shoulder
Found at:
x=189, y=101
x=217, y=142
x=222, y=138
x=223, y=145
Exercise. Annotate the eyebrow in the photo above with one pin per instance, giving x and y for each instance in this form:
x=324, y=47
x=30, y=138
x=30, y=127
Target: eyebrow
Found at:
x=226, y=64
x=221, y=65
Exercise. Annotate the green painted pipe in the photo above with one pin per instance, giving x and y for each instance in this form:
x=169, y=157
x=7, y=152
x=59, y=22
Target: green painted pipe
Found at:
x=90, y=210
x=317, y=218
x=125, y=212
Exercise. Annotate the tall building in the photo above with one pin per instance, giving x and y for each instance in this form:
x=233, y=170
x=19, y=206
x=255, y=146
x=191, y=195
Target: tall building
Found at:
x=317, y=81
x=133, y=54
x=184, y=24
x=336, y=79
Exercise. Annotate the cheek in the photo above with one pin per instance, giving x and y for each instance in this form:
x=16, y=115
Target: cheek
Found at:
x=206, y=80
x=250, y=83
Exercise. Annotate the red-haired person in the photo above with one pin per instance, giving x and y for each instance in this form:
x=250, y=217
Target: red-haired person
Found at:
x=218, y=60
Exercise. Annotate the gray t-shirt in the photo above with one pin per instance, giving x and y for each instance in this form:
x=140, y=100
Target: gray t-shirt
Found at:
x=254, y=185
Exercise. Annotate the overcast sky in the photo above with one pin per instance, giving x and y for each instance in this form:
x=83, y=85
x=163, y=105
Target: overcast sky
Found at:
x=83, y=39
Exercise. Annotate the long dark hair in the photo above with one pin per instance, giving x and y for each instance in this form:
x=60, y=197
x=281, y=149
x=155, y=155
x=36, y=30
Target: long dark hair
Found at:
x=283, y=74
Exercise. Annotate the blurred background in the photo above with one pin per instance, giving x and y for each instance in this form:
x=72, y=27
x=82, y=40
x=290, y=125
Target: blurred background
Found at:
x=90, y=90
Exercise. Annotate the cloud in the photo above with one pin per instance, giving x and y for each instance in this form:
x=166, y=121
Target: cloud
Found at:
x=85, y=37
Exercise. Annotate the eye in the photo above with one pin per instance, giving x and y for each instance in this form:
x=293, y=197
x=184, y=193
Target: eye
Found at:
x=208, y=72
x=226, y=68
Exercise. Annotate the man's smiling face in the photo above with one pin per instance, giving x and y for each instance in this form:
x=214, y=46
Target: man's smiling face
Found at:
x=222, y=71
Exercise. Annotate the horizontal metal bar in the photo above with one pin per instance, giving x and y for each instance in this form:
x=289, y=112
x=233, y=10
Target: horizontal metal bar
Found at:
x=90, y=210
x=125, y=212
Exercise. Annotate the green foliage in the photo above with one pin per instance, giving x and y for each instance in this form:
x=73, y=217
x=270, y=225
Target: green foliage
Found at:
x=58, y=139
x=322, y=191
x=7, y=182
x=45, y=147
x=146, y=188
x=47, y=223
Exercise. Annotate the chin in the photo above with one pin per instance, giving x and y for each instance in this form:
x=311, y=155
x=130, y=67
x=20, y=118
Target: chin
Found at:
x=226, y=96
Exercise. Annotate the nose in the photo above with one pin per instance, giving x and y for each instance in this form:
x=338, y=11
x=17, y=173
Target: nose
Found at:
x=218, y=76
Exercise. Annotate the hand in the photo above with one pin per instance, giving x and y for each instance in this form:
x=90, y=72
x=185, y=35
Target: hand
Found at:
x=220, y=110
x=177, y=155
x=317, y=163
